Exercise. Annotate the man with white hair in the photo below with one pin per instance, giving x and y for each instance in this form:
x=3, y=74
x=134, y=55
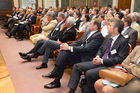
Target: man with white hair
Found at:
x=67, y=33
x=135, y=25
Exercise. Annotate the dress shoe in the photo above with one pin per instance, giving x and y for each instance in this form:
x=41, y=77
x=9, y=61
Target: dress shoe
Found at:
x=9, y=34
x=50, y=75
x=26, y=58
x=6, y=33
x=44, y=65
x=52, y=85
x=23, y=54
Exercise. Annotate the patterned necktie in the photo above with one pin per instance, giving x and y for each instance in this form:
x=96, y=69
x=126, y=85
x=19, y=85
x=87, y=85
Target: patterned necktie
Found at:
x=107, y=49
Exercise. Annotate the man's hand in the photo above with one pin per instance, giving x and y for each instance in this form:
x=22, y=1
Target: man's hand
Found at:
x=59, y=42
x=64, y=46
x=24, y=22
x=62, y=27
x=96, y=61
x=45, y=39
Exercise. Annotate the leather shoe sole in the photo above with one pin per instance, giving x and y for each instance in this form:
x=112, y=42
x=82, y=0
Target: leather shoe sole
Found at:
x=52, y=85
x=42, y=66
x=26, y=58
x=49, y=75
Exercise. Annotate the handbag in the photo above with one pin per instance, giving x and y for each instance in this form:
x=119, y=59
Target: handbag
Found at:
x=118, y=75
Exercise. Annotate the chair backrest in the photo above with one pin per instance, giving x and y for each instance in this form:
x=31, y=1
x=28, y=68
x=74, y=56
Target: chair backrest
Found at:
x=129, y=48
x=138, y=42
x=38, y=20
x=79, y=35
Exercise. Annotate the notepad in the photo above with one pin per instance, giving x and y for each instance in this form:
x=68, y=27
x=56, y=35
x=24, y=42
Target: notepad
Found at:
x=107, y=82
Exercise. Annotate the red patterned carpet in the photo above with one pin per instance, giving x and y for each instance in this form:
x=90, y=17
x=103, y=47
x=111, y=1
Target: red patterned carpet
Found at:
x=24, y=76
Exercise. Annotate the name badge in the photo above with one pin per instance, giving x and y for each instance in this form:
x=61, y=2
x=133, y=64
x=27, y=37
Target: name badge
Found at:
x=113, y=52
x=56, y=29
x=126, y=36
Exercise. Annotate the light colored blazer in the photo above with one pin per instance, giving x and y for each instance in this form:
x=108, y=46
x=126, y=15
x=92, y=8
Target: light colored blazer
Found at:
x=130, y=62
x=136, y=26
x=46, y=29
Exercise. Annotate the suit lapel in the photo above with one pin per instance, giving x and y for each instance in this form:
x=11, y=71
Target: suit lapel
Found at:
x=127, y=31
x=92, y=35
x=116, y=42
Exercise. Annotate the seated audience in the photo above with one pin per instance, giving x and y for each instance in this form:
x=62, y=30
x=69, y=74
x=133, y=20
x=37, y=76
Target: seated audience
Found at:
x=26, y=25
x=68, y=33
x=12, y=30
x=113, y=51
x=82, y=50
x=132, y=64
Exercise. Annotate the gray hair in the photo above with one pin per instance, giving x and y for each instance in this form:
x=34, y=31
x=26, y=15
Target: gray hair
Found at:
x=61, y=14
x=71, y=21
x=51, y=14
x=134, y=15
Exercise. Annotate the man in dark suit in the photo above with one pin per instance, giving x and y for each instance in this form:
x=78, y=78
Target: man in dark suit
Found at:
x=83, y=50
x=129, y=32
x=113, y=51
x=21, y=18
x=77, y=17
x=67, y=34
x=54, y=34
x=26, y=25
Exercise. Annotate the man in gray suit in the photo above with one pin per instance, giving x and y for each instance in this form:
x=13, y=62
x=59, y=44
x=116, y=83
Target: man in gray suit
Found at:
x=113, y=51
x=81, y=51
x=129, y=32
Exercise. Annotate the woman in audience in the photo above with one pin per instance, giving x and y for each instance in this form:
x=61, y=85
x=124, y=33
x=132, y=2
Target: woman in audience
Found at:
x=132, y=64
x=84, y=24
x=104, y=30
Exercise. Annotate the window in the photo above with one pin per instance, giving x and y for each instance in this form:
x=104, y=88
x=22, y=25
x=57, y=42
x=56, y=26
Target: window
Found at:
x=30, y=3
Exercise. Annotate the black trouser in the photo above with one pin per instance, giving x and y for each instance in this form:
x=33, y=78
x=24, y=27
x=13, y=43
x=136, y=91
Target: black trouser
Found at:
x=91, y=74
x=37, y=46
x=64, y=58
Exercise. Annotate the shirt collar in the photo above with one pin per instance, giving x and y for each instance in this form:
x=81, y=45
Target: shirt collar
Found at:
x=115, y=37
x=76, y=19
x=124, y=30
x=92, y=32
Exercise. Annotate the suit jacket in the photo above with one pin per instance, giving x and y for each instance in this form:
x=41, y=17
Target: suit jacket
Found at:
x=14, y=12
x=77, y=23
x=67, y=34
x=46, y=29
x=130, y=62
x=118, y=52
x=132, y=35
x=32, y=19
x=23, y=18
x=88, y=48
x=53, y=35
x=20, y=16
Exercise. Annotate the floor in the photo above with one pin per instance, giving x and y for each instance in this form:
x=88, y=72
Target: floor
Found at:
x=6, y=84
x=24, y=76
